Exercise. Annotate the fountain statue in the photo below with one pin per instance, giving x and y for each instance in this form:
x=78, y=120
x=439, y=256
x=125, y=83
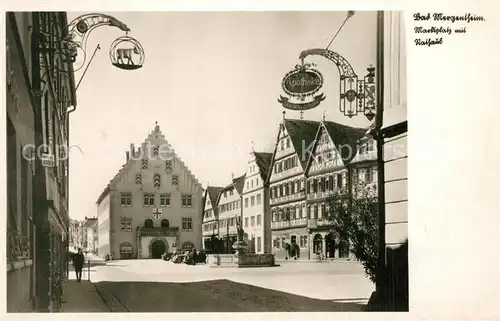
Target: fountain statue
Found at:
x=240, y=246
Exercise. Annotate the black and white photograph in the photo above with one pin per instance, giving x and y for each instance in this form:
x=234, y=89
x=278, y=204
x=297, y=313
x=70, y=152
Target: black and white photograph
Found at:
x=209, y=161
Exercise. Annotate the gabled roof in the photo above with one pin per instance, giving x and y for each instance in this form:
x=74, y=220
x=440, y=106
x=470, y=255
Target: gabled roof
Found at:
x=341, y=136
x=89, y=222
x=103, y=195
x=263, y=161
x=237, y=183
x=302, y=134
x=212, y=192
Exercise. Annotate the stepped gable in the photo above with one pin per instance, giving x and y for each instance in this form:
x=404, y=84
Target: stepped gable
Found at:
x=156, y=132
x=263, y=161
x=302, y=133
x=343, y=135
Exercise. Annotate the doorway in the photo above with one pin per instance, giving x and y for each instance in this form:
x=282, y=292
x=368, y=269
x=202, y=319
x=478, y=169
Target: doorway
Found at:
x=158, y=248
x=330, y=245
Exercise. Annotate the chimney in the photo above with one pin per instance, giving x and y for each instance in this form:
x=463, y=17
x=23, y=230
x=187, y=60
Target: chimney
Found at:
x=232, y=175
x=128, y=156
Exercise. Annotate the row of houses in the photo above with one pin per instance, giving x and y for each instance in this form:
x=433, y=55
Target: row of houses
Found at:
x=282, y=200
x=83, y=235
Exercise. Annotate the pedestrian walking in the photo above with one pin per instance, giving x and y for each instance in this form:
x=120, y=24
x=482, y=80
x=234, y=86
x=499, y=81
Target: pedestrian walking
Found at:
x=78, y=261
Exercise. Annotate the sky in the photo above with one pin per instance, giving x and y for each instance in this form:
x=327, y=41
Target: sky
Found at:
x=211, y=80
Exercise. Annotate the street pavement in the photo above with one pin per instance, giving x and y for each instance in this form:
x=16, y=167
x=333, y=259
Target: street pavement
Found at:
x=161, y=286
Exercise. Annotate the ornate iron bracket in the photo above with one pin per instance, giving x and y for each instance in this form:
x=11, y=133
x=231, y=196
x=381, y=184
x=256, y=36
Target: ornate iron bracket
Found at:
x=356, y=95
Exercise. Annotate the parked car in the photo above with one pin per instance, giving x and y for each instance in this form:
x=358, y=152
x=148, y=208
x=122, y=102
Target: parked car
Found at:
x=201, y=257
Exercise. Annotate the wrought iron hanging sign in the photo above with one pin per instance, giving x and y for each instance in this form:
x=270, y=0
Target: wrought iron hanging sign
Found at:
x=356, y=95
x=126, y=53
x=300, y=83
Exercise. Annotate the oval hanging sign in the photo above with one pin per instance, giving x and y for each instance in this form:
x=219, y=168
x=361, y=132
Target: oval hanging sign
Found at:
x=302, y=82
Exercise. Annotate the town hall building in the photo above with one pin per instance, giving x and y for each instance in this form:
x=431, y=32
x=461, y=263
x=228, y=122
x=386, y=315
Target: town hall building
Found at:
x=152, y=206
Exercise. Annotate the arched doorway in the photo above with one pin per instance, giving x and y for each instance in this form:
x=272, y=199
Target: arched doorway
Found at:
x=158, y=248
x=330, y=245
x=318, y=243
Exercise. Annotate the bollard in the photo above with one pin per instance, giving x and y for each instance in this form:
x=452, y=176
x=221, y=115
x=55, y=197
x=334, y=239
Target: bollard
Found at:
x=88, y=269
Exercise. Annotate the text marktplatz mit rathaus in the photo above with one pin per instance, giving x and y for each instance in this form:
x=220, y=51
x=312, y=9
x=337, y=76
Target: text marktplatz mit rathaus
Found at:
x=434, y=30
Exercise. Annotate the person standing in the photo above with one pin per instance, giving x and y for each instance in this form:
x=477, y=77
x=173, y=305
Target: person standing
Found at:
x=78, y=260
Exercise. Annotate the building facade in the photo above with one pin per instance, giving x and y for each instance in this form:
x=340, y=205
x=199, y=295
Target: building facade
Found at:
x=90, y=232
x=256, y=209
x=210, y=217
x=155, y=203
x=335, y=146
x=103, y=224
x=20, y=108
x=40, y=93
x=229, y=203
x=395, y=134
x=287, y=184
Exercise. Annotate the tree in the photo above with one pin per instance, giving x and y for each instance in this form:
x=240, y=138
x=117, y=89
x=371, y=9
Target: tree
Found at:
x=354, y=216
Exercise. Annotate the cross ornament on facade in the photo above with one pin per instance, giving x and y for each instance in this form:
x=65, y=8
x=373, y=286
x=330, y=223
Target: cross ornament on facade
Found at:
x=157, y=213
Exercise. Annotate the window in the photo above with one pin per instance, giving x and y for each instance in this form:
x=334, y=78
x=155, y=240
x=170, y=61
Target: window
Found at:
x=246, y=221
x=299, y=211
x=187, y=200
x=259, y=219
x=303, y=241
x=339, y=180
x=293, y=239
x=259, y=244
x=187, y=224
x=258, y=199
x=165, y=223
x=164, y=200
x=287, y=142
x=274, y=218
x=148, y=223
x=252, y=201
x=257, y=181
x=368, y=175
x=126, y=199
x=149, y=199
x=323, y=210
x=126, y=248
x=126, y=224
x=187, y=246
x=246, y=202
x=315, y=211
x=252, y=221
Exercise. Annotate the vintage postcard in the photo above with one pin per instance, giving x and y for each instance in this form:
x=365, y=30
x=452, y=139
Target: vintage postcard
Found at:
x=195, y=161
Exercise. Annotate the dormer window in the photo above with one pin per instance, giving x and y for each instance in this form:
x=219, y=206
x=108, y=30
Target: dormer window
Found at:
x=156, y=150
